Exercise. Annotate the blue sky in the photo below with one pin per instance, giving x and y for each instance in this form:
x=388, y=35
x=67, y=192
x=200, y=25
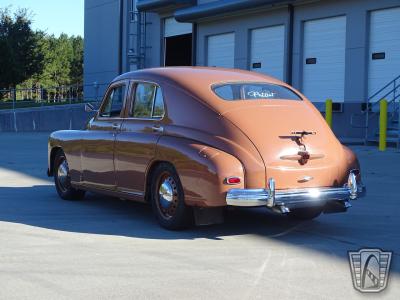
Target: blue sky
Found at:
x=53, y=16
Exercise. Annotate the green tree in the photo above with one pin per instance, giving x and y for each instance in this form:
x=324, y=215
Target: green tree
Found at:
x=58, y=59
x=76, y=71
x=63, y=61
x=20, y=55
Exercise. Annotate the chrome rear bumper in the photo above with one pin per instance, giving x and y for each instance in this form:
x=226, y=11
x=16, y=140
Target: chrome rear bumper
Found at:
x=285, y=200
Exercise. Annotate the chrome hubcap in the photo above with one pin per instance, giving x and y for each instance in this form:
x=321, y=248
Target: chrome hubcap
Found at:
x=62, y=175
x=167, y=196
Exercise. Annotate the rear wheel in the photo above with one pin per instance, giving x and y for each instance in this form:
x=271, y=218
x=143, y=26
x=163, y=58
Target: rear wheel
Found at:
x=306, y=213
x=167, y=199
x=62, y=179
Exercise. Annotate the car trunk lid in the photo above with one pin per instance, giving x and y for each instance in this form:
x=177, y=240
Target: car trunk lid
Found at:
x=298, y=148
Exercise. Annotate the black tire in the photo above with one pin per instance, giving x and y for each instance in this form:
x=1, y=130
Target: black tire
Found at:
x=63, y=185
x=170, y=210
x=306, y=213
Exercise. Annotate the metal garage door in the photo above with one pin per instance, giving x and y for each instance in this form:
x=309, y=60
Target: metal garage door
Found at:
x=268, y=50
x=221, y=50
x=384, y=48
x=173, y=28
x=324, y=59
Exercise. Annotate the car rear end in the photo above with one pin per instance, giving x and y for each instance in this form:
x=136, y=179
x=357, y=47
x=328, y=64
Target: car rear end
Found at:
x=305, y=165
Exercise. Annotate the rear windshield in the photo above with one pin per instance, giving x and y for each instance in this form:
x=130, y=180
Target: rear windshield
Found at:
x=254, y=91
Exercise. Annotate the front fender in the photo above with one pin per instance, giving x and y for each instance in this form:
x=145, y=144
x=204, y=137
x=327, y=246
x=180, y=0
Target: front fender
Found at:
x=70, y=141
x=201, y=169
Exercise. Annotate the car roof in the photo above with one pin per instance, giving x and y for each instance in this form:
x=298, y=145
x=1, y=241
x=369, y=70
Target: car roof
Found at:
x=192, y=76
x=199, y=80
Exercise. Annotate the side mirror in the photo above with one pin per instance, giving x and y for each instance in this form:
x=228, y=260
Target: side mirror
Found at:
x=90, y=108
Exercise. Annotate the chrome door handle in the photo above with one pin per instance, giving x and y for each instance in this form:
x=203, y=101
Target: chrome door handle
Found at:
x=157, y=128
x=115, y=126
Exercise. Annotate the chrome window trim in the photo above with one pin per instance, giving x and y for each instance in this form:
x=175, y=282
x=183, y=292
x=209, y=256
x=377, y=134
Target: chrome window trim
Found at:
x=154, y=103
x=109, y=88
x=133, y=84
x=143, y=119
x=110, y=118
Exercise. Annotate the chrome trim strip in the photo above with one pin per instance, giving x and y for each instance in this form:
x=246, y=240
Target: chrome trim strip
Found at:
x=247, y=197
x=132, y=193
x=91, y=186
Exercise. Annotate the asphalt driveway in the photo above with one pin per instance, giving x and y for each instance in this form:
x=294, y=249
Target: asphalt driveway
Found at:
x=107, y=248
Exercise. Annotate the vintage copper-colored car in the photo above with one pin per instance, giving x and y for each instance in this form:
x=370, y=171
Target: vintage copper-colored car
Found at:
x=193, y=140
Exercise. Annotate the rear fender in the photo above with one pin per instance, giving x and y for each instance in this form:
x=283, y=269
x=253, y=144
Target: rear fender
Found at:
x=201, y=169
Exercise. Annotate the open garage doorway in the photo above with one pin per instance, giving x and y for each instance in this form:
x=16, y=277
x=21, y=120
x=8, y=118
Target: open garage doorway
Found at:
x=178, y=50
x=177, y=43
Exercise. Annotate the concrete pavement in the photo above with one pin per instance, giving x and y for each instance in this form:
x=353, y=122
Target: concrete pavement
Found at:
x=106, y=248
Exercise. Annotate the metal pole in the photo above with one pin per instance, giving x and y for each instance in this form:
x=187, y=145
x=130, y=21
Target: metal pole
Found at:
x=41, y=96
x=120, y=36
x=14, y=113
x=14, y=93
x=77, y=92
x=96, y=87
x=382, y=125
x=366, y=122
x=398, y=128
x=398, y=117
x=328, y=112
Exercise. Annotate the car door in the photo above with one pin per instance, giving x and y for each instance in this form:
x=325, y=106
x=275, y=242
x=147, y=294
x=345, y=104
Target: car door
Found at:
x=136, y=143
x=99, y=141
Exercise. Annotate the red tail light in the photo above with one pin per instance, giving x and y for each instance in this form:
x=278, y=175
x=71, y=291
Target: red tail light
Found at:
x=232, y=180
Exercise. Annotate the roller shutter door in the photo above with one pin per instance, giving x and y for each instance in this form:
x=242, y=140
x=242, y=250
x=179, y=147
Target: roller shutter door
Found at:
x=221, y=50
x=384, y=49
x=174, y=28
x=324, y=59
x=268, y=51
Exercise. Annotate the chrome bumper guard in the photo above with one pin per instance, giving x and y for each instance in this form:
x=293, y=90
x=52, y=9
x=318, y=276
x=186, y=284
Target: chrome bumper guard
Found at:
x=284, y=200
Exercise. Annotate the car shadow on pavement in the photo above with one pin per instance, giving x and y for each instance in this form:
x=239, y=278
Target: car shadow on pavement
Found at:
x=40, y=206
x=98, y=214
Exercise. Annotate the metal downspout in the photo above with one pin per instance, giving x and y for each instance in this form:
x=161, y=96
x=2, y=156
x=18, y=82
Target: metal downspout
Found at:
x=289, y=61
x=120, y=38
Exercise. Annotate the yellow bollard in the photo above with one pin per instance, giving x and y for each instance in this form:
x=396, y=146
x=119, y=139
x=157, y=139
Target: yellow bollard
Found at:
x=382, y=125
x=328, y=112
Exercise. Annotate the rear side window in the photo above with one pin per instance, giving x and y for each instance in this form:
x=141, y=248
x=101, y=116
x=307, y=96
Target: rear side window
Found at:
x=148, y=102
x=254, y=91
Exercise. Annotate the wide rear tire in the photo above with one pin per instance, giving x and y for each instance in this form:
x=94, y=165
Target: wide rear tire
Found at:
x=168, y=200
x=62, y=179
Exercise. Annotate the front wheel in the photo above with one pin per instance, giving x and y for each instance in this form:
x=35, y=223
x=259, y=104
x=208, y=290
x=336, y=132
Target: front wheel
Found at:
x=167, y=199
x=62, y=179
x=306, y=213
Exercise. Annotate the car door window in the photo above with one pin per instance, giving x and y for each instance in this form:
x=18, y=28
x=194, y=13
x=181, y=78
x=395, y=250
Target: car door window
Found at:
x=114, y=102
x=144, y=96
x=158, y=109
x=148, y=102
